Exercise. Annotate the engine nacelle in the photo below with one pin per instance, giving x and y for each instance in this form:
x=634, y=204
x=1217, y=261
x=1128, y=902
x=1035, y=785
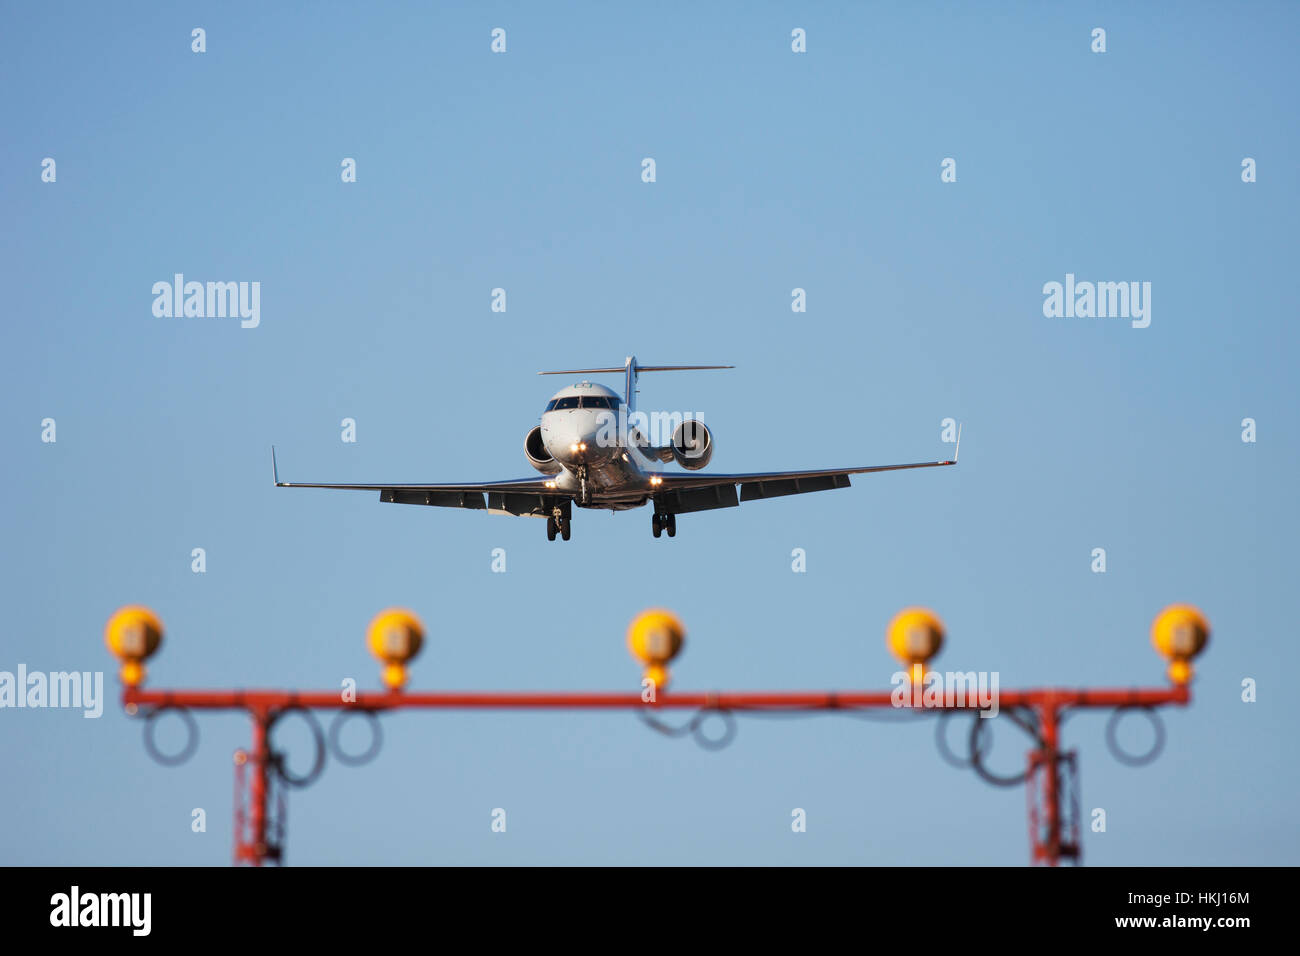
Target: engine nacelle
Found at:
x=692, y=444
x=537, y=454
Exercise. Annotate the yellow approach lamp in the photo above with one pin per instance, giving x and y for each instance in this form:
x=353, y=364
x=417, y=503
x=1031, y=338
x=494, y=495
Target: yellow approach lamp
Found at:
x=914, y=636
x=1180, y=632
x=134, y=633
x=395, y=636
x=655, y=637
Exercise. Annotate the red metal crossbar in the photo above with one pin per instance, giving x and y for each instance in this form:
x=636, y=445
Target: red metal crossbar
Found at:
x=720, y=700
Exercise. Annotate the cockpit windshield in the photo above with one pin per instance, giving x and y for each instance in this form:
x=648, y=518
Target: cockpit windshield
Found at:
x=570, y=402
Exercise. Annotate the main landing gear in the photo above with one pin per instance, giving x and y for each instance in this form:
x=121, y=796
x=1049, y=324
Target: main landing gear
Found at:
x=557, y=522
x=659, y=523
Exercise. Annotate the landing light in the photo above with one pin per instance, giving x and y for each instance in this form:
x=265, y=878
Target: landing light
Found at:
x=656, y=480
x=574, y=448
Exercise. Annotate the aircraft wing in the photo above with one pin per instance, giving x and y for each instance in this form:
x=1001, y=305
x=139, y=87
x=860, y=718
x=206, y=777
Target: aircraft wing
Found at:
x=701, y=492
x=525, y=496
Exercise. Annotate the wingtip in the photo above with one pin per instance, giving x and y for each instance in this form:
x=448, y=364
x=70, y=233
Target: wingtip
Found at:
x=275, y=469
x=956, y=452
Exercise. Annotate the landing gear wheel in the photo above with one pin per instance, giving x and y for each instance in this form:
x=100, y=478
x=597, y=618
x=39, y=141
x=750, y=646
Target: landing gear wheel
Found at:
x=656, y=525
x=564, y=527
x=550, y=527
x=672, y=525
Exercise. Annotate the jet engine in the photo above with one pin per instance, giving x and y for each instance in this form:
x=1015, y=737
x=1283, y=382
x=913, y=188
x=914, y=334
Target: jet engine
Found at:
x=692, y=444
x=537, y=454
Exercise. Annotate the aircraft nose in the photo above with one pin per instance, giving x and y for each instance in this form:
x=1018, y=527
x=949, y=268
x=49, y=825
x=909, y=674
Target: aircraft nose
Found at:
x=564, y=442
x=578, y=441
x=596, y=443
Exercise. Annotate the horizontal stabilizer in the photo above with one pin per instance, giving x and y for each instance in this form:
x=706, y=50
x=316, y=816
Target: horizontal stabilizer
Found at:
x=639, y=368
x=631, y=369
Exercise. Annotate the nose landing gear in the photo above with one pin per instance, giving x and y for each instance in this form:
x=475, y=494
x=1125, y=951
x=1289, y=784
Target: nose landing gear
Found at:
x=584, y=493
x=659, y=523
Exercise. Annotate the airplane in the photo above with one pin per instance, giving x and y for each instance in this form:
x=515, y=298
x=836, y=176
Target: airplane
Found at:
x=591, y=453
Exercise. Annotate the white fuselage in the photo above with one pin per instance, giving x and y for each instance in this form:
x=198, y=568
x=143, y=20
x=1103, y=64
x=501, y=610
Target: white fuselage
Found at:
x=584, y=432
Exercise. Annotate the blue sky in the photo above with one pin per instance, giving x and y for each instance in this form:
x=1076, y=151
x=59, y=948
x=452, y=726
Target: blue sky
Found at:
x=774, y=171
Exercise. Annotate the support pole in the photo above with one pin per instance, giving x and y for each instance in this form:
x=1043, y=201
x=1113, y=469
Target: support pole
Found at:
x=252, y=844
